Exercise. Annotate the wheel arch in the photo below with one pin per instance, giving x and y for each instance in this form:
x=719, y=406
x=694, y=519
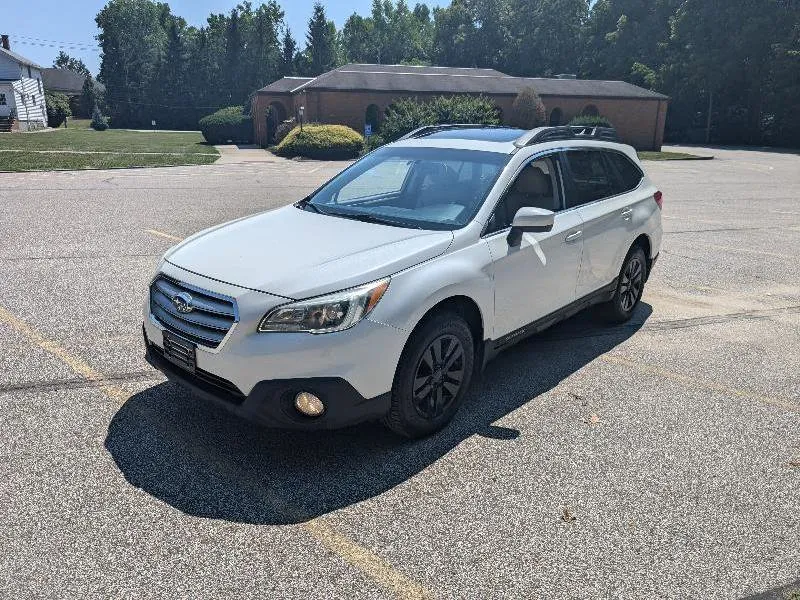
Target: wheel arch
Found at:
x=643, y=242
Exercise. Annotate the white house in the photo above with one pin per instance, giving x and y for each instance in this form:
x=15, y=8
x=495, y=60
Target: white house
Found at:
x=21, y=91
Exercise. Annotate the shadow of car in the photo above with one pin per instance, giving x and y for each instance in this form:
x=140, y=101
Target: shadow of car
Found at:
x=205, y=462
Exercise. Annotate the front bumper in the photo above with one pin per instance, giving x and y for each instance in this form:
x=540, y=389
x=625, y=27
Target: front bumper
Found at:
x=257, y=375
x=271, y=402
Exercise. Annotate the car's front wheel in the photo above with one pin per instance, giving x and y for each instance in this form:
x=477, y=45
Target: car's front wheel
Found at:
x=630, y=286
x=434, y=373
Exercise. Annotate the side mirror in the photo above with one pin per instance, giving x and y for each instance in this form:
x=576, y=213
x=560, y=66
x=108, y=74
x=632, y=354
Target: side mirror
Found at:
x=530, y=218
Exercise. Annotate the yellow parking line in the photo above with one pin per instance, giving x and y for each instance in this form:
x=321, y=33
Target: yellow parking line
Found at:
x=73, y=362
x=361, y=558
x=168, y=236
x=694, y=381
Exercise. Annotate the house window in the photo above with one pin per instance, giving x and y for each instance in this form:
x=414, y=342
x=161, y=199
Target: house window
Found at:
x=33, y=97
x=2, y=99
x=39, y=83
x=29, y=70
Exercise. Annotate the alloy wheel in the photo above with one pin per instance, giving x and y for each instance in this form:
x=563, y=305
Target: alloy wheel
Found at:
x=631, y=285
x=438, y=376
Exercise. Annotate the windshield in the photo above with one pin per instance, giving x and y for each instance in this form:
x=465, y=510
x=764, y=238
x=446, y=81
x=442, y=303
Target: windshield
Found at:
x=424, y=188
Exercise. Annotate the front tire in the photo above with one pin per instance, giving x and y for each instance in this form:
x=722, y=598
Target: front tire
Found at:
x=630, y=286
x=432, y=377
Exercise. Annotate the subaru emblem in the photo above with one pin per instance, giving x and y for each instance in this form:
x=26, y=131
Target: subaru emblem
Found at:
x=183, y=302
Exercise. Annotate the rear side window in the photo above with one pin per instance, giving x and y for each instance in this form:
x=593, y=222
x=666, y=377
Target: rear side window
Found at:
x=589, y=177
x=629, y=174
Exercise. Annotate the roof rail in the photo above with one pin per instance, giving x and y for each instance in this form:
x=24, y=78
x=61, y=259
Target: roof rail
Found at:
x=430, y=129
x=565, y=132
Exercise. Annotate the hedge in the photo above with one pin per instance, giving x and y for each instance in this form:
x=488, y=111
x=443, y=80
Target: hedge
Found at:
x=408, y=114
x=590, y=121
x=325, y=142
x=57, y=108
x=227, y=125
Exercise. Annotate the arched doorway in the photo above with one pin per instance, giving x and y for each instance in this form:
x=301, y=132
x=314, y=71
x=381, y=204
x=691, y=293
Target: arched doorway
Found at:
x=372, y=116
x=590, y=110
x=276, y=114
x=556, y=117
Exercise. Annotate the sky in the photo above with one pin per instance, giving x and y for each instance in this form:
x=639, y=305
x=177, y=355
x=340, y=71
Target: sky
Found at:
x=40, y=28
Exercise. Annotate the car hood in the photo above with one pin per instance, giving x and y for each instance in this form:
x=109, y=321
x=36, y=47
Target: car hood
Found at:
x=298, y=254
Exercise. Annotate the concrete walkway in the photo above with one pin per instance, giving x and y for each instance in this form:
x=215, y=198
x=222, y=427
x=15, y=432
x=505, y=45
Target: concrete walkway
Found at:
x=242, y=153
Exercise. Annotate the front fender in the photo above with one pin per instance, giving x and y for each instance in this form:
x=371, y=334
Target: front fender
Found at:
x=413, y=292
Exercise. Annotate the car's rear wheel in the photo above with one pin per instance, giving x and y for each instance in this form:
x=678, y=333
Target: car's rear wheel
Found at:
x=630, y=286
x=434, y=373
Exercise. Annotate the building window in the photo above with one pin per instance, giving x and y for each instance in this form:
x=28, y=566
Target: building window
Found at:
x=29, y=71
x=590, y=110
x=39, y=83
x=33, y=98
x=556, y=117
x=2, y=99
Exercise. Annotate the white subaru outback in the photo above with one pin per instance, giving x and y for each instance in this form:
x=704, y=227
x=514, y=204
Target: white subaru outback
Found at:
x=382, y=293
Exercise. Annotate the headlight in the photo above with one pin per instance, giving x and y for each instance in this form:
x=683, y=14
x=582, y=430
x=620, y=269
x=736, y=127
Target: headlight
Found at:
x=326, y=314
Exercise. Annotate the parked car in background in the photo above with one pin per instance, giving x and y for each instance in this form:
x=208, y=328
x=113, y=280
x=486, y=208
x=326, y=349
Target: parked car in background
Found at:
x=379, y=295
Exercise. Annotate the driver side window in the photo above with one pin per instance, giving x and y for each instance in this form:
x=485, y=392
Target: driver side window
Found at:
x=536, y=185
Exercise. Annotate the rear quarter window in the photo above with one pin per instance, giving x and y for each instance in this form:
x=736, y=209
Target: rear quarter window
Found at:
x=629, y=174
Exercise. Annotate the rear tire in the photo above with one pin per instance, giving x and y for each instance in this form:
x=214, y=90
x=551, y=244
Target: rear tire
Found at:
x=630, y=286
x=432, y=377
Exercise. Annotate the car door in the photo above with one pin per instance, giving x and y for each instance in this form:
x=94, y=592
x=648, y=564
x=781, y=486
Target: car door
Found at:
x=595, y=190
x=538, y=276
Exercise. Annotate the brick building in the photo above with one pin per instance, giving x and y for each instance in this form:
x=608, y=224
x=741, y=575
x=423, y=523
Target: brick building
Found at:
x=353, y=94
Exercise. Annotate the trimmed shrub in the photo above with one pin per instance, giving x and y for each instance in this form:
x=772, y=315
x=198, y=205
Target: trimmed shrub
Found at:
x=283, y=129
x=99, y=122
x=528, y=110
x=325, y=142
x=57, y=108
x=590, y=121
x=408, y=114
x=227, y=125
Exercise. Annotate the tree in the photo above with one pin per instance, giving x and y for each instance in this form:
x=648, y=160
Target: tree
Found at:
x=320, y=42
x=357, y=40
x=288, y=53
x=528, y=110
x=57, y=108
x=65, y=61
x=90, y=97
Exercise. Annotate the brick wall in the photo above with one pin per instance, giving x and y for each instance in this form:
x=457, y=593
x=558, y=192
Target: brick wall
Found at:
x=639, y=123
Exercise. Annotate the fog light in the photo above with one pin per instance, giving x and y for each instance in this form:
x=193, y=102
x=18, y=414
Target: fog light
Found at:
x=308, y=404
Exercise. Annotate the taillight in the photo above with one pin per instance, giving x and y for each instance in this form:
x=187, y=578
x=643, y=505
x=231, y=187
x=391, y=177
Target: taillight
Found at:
x=659, y=198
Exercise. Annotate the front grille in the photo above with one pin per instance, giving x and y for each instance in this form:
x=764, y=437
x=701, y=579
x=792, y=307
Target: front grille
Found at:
x=209, y=321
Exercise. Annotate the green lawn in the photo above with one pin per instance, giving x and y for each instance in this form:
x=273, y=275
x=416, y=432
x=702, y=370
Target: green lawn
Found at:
x=670, y=156
x=44, y=151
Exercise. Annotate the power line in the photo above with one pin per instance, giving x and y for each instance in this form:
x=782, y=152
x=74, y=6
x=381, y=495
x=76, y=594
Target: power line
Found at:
x=56, y=45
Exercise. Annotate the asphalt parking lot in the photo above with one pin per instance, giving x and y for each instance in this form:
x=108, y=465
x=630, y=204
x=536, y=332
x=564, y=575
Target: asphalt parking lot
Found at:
x=658, y=459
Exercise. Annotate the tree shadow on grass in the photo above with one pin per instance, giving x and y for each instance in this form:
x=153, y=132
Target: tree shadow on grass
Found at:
x=199, y=459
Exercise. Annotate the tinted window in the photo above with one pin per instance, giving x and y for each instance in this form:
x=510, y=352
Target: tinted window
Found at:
x=427, y=188
x=629, y=173
x=536, y=185
x=589, y=177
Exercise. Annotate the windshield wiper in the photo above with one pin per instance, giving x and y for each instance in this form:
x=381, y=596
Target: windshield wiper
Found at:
x=306, y=203
x=369, y=218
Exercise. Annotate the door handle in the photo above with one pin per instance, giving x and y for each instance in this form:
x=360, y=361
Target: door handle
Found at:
x=626, y=214
x=573, y=236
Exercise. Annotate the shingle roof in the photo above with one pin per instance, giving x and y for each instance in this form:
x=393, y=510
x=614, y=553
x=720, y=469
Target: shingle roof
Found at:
x=63, y=80
x=287, y=84
x=449, y=80
x=19, y=58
